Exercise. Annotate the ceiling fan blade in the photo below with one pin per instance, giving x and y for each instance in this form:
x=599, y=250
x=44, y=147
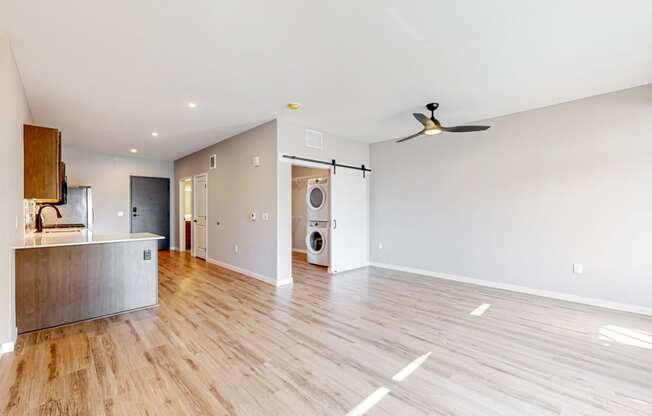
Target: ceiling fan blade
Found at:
x=410, y=137
x=464, y=129
x=423, y=119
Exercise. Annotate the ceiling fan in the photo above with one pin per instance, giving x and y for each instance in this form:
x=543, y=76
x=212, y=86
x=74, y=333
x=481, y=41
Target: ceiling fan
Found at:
x=432, y=126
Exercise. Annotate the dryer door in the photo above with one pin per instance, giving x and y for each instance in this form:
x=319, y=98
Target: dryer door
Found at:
x=315, y=241
x=315, y=197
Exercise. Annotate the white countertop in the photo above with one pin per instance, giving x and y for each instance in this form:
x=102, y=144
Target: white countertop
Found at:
x=39, y=240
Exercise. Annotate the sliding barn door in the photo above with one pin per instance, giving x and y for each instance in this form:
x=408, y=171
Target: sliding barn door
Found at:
x=349, y=220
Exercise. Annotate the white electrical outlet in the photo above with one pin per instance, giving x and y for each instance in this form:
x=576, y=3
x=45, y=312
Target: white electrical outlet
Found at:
x=578, y=268
x=380, y=245
x=121, y=214
x=235, y=248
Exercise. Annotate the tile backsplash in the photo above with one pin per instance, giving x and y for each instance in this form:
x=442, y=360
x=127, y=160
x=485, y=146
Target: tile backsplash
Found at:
x=29, y=210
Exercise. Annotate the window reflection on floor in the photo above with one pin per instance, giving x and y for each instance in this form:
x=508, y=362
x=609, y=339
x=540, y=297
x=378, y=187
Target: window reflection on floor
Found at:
x=409, y=369
x=626, y=336
x=369, y=402
x=480, y=310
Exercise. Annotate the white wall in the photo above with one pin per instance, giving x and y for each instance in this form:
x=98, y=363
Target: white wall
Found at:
x=14, y=112
x=299, y=205
x=109, y=176
x=291, y=141
x=520, y=203
x=235, y=189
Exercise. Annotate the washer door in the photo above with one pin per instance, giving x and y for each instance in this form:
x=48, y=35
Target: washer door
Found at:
x=315, y=197
x=315, y=241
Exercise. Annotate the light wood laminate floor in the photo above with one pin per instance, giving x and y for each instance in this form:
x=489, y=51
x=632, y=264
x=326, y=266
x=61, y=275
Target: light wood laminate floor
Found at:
x=388, y=342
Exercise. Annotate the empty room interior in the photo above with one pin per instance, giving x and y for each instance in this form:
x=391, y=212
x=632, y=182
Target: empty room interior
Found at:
x=326, y=208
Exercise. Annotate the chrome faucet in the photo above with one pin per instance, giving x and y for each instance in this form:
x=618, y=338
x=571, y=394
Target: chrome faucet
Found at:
x=39, y=217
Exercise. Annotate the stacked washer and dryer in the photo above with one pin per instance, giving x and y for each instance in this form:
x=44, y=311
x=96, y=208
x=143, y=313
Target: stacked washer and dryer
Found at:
x=318, y=223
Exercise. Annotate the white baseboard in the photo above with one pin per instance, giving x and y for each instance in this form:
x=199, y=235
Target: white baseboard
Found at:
x=522, y=289
x=174, y=248
x=298, y=250
x=7, y=347
x=348, y=269
x=284, y=282
x=249, y=273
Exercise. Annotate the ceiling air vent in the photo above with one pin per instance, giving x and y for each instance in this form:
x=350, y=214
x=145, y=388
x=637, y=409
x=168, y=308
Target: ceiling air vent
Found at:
x=314, y=139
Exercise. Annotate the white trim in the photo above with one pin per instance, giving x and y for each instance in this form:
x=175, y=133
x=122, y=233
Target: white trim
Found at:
x=299, y=250
x=249, y=273
x=6, y=347
x=624, y=307
x=284, y=282
x=181, y=240
x=193, y=249
x=174, y=248
x=348, y=269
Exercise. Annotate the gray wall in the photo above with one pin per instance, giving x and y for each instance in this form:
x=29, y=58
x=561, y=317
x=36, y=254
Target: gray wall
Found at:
x=14, y=112
x=522, y=202
x=109, y=176
x=235, y=188
x=299, y=206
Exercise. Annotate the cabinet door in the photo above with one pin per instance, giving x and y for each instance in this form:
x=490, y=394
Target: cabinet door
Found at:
x=42, y=158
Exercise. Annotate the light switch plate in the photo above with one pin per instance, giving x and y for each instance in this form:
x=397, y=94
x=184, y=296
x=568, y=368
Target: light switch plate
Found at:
x=578, y=268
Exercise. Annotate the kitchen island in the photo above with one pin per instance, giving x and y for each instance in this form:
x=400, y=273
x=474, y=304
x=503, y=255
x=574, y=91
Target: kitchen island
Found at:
x=67, y=277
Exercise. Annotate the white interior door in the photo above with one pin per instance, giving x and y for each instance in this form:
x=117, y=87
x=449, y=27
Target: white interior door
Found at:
x=349, y=220
x=200, y=220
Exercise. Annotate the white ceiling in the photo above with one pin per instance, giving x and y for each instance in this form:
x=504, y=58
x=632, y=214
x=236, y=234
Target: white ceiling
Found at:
x=108, y=73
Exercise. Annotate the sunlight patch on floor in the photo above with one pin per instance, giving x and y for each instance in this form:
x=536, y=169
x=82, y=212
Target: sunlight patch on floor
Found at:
x=480, y=310
x=626, y=336
x=369, y=402
x=409, y=369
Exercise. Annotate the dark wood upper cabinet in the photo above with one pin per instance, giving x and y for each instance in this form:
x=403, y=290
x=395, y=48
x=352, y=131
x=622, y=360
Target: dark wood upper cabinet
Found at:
x=44, y=171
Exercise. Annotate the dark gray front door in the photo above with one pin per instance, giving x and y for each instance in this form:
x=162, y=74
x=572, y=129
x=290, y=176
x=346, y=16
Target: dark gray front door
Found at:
x=150, y=207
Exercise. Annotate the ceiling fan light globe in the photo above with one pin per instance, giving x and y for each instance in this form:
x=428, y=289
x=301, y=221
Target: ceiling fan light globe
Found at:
x=432, y=132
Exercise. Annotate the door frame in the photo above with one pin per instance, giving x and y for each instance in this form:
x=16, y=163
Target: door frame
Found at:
x=181, y=219
x=306, y=164
x=193, y=252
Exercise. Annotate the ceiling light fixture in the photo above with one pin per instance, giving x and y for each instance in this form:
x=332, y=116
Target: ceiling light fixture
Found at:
x=431, y=132
x=155, y=134
x=294, y=106
x=133, y=150
x=192, y=104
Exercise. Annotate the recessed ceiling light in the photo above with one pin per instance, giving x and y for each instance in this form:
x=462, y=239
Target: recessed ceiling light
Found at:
x=155, y=133
x=294, y=106
x=192, y=104
x=134, y=150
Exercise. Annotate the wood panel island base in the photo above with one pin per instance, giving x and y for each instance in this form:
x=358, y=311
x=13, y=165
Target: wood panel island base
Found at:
x=74, y=277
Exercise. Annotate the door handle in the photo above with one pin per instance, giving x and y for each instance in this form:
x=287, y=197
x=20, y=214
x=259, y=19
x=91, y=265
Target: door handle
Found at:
x=136, y=215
